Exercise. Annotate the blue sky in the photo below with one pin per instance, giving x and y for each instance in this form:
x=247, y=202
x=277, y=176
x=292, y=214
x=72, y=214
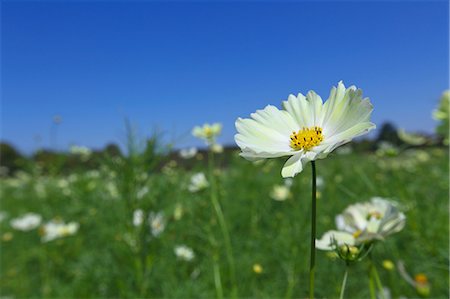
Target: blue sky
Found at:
x=174, y=65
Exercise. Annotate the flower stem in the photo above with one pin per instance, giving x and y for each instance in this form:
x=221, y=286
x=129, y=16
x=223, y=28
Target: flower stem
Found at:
x=222, y=224
x=371, y=286
x=377, y=281
x=344, y=283
x=313, y=232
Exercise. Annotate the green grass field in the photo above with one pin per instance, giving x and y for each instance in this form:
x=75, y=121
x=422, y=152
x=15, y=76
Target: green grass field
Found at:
x=110, y=257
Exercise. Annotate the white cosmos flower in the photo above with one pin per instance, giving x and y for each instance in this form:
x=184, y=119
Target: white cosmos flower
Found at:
x=57, y=229
x=280, y=192
x=208, y=132
x=138, y=217
x=184, y=253
x=27, y=222
x=157, y=223
x=307, y=129
x=217, y=148
x=198, y=182
x=411, y=138
x=188, y=153
x=364, y=222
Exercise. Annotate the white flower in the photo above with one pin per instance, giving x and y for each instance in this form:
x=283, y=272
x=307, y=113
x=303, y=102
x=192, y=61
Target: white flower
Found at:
x=188, y=153
x=320, y=183
x=307, y=129
x=280, y=192
x=411, y=138
x=142, y=192
x=217, y=148
x=157, y=223
x=207, y=132
x=364, y=222
x=81, y=151
x=27, y=222
x=198, y=182
x=138, y=217
x=57, y=229
x=184, y=253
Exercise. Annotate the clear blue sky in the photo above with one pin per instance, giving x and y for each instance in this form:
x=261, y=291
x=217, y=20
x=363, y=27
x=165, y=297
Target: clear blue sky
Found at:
x=174, y=65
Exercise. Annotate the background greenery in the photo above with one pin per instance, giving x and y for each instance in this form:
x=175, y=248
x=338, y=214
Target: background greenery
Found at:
x=109, y=257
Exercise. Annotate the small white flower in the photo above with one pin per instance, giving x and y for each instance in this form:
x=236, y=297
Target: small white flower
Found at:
x=280, y=193
x=320, y=182
x=198, y=182
x=217, y=148
x=81, y=151
x=307, y=129
x=184, y=253
x=142, y=192
x=411, y=138
x=157, y=223
x=188, y=153
x=364, y=222
x=138, y=217
x=27, y=222
x=208, y=132
x=57, y=229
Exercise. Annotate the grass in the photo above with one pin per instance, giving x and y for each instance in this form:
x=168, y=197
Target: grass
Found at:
x=109, y=257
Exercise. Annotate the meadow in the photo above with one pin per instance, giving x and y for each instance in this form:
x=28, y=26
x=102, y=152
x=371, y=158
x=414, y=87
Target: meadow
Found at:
x=115, y=251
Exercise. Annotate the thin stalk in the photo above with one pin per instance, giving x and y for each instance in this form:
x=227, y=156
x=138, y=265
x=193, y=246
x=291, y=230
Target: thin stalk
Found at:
x=217, y=280
x=222, y=223
x=313, y=232
x=378, y=281
x=344, y=283
x=371, y=286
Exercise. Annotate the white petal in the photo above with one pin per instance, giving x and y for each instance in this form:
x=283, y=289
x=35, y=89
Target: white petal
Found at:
x=255, y=156
x=315, y=103
x=297, y=107
x=347, y=135
x=296, y=163
x=267, y=132
x=327, y=240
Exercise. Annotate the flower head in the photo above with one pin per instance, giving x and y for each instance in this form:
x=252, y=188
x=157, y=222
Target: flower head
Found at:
x=198, y=182
x=307, y=129
x=208, y=132
x=363, y=223
x=138, y=217
x=280, y=192
x=184, y=253
x=27, y=222
x=57, y=229
x=157, y=223
x=188, y=153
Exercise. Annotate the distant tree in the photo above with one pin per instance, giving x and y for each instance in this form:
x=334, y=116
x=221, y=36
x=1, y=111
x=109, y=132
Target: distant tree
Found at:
x=112, y=150
x=10, y=158
x=388, y=132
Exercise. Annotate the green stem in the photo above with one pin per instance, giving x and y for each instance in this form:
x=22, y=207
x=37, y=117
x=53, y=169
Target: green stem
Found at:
x=217, y=280
x=371, y=286
x=313, y=232
x=222, y=223
x=377, y=281
x=344, y=283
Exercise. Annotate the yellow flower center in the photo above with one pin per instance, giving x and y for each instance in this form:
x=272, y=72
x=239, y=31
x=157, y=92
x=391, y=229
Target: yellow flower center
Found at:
x=306, y=138
x=357, y=233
